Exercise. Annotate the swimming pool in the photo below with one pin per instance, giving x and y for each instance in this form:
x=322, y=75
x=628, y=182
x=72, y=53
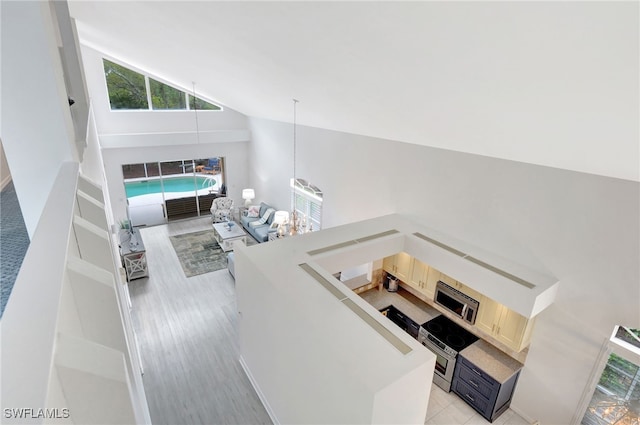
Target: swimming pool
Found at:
x=171, y=184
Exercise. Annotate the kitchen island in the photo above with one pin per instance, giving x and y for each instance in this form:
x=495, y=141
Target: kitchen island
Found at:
x=316, y=352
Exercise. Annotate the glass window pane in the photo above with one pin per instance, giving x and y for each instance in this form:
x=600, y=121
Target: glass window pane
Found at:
x=171, y=167
x=164, y=96
x=152, y=169
x=209, y=165
x=615, y=395
x=202, y=104
x=132, y=171
x=127, y=89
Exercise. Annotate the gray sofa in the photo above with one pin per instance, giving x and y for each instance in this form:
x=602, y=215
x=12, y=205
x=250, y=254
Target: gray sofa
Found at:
x=261, y=232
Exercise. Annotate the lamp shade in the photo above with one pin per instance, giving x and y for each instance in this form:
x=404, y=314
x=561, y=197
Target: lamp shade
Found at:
x=281, y=217
x=248, y=194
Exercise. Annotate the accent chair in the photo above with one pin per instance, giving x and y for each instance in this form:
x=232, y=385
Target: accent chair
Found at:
x=221, y=209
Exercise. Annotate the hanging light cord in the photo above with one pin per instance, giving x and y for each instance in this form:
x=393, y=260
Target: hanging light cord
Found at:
x=295, y=102
x=195, y=111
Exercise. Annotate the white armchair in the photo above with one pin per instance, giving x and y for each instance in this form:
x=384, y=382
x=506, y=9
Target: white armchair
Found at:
x=221, y=209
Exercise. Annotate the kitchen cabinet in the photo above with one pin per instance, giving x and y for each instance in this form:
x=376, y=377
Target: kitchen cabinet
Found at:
x=398, y=265
x=420, y=280
x=504, y=324
x=486, y=394
x=432, y=279
x=401, y=320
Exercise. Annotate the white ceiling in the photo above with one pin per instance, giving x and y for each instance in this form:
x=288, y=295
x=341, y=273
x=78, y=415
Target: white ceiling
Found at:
x=550, y=83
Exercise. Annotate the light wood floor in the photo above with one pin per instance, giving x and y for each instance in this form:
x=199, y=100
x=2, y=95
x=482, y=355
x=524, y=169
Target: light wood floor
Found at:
x=186, y=329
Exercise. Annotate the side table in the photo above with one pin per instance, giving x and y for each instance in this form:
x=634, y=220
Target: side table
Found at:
x=273, y=236
x=133, y=254
x=242, y=211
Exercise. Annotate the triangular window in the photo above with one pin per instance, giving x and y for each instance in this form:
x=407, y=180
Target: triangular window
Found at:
x=197, y=103
x=131, y=90
x=164, y=96
x=127, y=88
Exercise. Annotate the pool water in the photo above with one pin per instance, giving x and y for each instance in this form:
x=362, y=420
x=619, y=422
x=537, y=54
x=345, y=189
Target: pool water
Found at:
x=173, y=184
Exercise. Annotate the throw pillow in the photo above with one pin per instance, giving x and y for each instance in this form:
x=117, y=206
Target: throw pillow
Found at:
x=263, y=219
x=253, y=211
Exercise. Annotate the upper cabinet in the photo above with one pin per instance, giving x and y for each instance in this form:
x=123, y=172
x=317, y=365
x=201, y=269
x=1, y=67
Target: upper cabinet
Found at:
x=495, y=320
x=398, y=265
x=422, y=278
x=504, y=325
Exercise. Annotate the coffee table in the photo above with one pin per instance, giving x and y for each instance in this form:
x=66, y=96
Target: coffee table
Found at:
x=226, y=237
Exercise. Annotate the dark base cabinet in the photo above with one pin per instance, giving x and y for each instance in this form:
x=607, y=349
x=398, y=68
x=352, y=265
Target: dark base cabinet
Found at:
x=481, y=391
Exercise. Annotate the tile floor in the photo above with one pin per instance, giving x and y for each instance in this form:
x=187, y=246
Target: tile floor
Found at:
x=448, y=409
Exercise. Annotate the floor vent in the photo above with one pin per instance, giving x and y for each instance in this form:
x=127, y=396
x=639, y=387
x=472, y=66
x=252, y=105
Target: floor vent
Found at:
x=377, y=235
x=501, y=272
x=322, y=281
x=481, y=263
x=378, y=327
x=361, y=313
x=353, y=242
x=440, y=244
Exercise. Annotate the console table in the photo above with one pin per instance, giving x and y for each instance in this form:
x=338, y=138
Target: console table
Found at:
x=133, y=254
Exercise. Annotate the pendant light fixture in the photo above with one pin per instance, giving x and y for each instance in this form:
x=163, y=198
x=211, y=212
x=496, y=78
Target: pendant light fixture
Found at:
x=195, y=112
x=293, y=228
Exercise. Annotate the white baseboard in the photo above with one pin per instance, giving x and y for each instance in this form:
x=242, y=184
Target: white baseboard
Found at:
x=5, y=182
x=527, y=418
x=261, y=396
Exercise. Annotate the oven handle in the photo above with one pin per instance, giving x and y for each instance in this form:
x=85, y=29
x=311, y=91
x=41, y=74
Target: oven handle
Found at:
x=436, y=349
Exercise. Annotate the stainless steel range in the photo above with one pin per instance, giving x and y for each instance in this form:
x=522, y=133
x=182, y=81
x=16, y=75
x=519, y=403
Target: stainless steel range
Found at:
x=445, y=339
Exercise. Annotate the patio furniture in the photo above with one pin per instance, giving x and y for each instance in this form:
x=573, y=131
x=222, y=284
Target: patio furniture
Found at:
x=221, y=209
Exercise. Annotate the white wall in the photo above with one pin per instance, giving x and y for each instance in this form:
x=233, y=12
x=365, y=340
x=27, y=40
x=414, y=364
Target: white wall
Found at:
x=354, y=172
x=124, y=122
x=37, y=136
x=559, y=78
x=581, y=228
x=128, y=137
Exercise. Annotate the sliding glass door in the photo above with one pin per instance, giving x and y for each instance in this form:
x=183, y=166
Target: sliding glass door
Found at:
x=158, y=192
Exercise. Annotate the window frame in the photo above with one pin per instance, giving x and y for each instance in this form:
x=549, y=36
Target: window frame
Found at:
x=612, y=345
x=309, y=199
x=147, y=77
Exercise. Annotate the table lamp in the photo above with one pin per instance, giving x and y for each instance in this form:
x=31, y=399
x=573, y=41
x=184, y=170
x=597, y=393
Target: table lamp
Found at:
x=248, y=195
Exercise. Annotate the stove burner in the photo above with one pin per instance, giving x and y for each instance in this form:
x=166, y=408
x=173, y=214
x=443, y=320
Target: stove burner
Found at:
x=449, y=333
x=455, y=341
x=434, y=327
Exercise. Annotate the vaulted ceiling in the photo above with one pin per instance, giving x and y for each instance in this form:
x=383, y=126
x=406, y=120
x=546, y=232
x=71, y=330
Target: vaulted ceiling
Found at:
x=549, y=83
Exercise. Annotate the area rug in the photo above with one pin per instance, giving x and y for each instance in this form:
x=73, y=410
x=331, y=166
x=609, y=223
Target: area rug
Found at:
x=198, y=252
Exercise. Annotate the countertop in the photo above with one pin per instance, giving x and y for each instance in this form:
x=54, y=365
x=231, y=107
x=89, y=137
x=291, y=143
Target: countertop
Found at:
x=130, y=242
x=415, y=309
x=491, y=360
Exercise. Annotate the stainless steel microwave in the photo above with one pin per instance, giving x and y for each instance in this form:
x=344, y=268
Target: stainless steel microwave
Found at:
x=462, y=305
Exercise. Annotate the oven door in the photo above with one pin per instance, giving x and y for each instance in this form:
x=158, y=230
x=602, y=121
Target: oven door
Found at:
x=445, y=364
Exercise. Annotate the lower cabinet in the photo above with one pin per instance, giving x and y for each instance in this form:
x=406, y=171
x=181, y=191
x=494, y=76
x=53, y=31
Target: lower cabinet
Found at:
x=481, y=391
